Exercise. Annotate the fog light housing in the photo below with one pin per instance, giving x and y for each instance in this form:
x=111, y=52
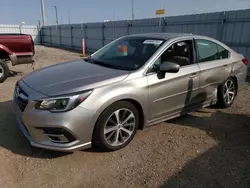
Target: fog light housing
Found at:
x=58, y=135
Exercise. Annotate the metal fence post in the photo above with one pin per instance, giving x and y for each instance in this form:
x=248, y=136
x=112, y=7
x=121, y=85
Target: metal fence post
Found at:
x=221, y=27
x=85, y=37
x=60, y=35
x=128, y=25
x=20, y=29
x=71, y=37
x=40, y=33
x=163, y=25
x=50, y=35
x=103, y=36
x=113, y=30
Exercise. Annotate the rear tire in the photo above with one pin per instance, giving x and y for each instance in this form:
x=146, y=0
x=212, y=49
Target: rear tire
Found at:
x=116, y=126
x=4, y=70
x=227, y=93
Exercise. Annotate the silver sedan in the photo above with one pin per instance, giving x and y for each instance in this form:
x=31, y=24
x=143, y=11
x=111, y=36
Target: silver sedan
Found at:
x=133, y=82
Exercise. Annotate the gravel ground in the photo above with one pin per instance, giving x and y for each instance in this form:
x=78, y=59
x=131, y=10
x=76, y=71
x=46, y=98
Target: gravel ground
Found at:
x=208, y=148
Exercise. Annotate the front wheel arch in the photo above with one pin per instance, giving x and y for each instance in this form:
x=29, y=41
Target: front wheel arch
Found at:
x=136, y=103
x=140, y=110
x=97, y=138
x=142, y=116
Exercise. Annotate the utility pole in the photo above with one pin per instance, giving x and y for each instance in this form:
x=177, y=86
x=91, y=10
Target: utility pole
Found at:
x=56, y=16
x=69, y=16
x=43, y=12
x=132, y=9
x=39, y=24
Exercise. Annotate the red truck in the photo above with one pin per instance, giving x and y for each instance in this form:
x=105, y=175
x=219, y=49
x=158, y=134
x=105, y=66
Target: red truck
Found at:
x=16, y=48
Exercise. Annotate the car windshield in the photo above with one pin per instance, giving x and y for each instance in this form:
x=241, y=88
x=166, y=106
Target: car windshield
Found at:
x=128, y=53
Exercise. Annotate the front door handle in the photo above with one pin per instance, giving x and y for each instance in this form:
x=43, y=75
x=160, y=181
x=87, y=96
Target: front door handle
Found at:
x=194, y=75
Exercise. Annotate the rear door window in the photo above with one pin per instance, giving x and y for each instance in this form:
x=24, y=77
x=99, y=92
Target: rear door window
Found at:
x=210, y=51
x=207, y=50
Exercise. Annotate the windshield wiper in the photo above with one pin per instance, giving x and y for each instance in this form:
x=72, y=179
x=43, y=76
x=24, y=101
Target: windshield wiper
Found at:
x=87, y=59
x=101, y=63
x=97, y=62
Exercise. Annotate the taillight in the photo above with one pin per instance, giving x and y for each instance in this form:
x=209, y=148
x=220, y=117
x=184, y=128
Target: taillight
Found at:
x=245, y=61
x=32, y=44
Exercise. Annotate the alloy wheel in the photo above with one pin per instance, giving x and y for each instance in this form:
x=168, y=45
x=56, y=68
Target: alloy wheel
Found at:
x=119, y=127
x=1, y=71
x=229, y=91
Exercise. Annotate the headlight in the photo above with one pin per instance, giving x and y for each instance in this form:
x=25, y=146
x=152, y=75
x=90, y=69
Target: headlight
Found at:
x=62, y=104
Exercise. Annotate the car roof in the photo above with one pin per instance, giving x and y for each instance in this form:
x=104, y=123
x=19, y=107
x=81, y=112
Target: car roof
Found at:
x=163, y=36
x=167, y=36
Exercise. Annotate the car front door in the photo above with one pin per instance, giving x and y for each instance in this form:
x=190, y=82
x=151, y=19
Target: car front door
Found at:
x=176, y=92
x=215, y=66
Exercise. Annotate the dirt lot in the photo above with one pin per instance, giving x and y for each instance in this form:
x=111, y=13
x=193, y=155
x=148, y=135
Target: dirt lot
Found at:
x=208, y=148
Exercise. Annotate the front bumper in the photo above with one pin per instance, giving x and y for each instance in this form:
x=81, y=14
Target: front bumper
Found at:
x=78, y=122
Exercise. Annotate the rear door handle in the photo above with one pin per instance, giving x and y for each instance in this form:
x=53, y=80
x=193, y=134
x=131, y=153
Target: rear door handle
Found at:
x=225, y=67
x=194, y=75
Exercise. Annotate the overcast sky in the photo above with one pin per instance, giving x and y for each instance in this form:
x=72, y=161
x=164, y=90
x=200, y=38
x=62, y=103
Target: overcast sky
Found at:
x=16, y=11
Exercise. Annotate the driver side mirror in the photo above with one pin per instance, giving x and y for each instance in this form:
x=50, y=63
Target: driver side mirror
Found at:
x=169, y=67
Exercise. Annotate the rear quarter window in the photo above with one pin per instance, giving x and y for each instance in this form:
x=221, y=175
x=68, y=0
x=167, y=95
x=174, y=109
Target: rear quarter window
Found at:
x=222, y=52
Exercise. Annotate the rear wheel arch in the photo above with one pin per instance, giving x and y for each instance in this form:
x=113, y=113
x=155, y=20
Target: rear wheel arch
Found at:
x=4, y=55
x=4, y=70
x=236, y=82
x=6, y=52
x=220, y=94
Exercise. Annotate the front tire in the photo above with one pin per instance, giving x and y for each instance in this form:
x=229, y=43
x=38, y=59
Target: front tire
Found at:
x=227, y=93
x=4, y=70
x=116, y=126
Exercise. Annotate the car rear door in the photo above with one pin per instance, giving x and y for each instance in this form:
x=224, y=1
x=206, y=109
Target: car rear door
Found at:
x=215, y=65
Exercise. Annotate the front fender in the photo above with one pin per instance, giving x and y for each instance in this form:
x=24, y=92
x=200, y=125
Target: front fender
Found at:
x=103, y=97
x=119, y=98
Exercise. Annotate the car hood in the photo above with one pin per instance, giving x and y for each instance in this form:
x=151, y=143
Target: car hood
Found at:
x=70, y=77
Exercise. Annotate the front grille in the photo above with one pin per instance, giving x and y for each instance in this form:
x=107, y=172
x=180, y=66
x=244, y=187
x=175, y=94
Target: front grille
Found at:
x=21, y=98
